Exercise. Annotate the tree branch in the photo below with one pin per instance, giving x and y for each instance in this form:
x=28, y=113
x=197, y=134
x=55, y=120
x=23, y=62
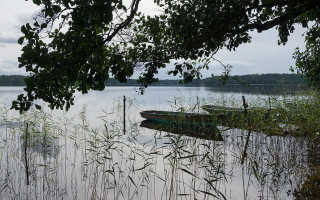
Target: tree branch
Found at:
x=134, y=9
x=269, y=5
x=276, y=21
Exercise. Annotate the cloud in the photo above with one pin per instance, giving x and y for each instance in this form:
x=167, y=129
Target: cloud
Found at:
x=149, y=8
x=10, y=67
x=24, y=18
x=240, y=63
x=8, y=40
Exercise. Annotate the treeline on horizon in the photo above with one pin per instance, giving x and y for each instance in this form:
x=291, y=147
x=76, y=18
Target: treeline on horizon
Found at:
x=252, y=79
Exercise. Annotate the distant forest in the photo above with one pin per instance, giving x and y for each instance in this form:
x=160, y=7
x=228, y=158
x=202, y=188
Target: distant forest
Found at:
x=252, y=79
x=12, y=80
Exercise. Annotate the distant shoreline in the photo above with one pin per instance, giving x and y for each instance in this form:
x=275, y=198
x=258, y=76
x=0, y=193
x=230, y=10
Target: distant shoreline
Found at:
x=243, y=80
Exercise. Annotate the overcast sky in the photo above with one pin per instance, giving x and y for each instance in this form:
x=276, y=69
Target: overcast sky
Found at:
x=262, y=55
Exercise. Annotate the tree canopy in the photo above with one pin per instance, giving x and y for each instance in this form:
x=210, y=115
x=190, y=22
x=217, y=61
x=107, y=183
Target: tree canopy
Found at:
x=78, y=44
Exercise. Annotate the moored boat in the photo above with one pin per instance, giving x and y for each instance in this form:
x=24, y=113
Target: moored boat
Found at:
x=222, y=110
x=236, y=112
x=165, y=116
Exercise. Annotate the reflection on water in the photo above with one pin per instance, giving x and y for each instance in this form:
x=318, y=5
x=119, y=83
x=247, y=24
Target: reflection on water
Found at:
x=69, y=158
x=203, y=131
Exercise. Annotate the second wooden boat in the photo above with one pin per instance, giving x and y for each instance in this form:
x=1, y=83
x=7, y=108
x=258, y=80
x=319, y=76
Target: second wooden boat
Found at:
x=221, y=110
x=236, y=112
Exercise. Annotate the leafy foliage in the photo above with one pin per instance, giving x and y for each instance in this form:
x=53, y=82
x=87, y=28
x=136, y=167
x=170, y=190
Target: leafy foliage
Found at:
x=69, y=48
x=78, y=44
x=308, y=61
x=191, y=30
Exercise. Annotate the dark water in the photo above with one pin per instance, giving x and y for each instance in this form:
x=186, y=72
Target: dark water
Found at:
x=83, y=154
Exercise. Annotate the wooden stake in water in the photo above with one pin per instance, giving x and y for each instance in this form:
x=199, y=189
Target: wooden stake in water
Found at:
x=124, y=114
x=25, y=152
x=269, y=103
x=245, y=105
x=198, y=104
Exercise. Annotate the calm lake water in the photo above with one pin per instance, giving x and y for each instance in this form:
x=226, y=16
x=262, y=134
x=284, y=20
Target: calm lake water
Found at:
x=84, y=154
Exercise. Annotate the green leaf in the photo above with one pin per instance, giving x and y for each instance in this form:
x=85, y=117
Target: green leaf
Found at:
x=145, y=166
x=56, y=8
x=24, y=30
x=44, y=25
x=37, y=2
x=38, y=107
x=28, y=26
x=132, y=181
x=188, y=172
x=20, y=41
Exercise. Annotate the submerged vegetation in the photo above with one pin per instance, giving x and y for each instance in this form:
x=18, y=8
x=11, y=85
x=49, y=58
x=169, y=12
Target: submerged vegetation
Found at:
x=44, y=156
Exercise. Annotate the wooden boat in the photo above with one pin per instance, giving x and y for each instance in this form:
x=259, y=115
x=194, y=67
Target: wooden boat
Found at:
x=236, y=118
x=199, y=131
x=239, y=118
x=165, y=116
x=222, y=110
x=236, y=112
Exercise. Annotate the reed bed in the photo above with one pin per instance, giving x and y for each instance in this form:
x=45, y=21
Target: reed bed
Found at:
x=44, y=156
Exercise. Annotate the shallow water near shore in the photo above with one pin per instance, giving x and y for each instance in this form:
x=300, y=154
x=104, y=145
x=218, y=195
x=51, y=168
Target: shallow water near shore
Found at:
x=86, y=154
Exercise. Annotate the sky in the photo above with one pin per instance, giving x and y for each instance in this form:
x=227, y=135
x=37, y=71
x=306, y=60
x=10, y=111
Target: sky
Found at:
x=262, y=55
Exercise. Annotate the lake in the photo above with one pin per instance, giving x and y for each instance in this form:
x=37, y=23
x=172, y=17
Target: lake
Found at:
x=86, y=153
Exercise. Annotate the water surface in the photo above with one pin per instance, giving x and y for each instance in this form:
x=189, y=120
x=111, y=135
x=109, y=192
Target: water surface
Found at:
x=84, y=154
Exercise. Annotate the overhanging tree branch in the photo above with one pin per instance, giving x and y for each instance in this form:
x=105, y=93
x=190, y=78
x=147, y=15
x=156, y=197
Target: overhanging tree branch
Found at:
x=272, y=23
x=134, y=9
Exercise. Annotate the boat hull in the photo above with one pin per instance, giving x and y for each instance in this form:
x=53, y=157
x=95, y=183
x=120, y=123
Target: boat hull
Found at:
x=237, y=112
x=167, y=116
